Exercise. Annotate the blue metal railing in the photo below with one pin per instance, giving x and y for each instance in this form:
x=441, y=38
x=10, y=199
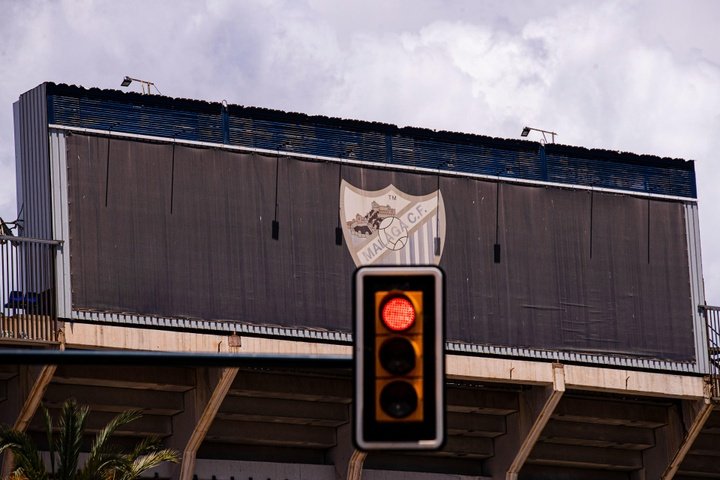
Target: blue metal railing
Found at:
x=365, y=141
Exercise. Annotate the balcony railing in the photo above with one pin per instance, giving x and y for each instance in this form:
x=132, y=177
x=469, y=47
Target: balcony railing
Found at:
x=712, y=321
x=27, y=290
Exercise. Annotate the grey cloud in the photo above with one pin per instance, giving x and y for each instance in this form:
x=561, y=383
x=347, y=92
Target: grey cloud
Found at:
x=637, y=76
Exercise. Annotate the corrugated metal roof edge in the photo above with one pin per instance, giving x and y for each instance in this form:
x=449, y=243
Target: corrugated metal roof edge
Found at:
x=366, y=126
x=298, y=333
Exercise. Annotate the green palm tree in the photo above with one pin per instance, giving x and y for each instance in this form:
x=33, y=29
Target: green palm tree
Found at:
x=104, y=462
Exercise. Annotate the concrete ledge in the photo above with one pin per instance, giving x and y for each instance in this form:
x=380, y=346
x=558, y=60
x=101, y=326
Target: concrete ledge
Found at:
x=467, y=367
x=83, y=335
x=577, y=377
x=632, y=381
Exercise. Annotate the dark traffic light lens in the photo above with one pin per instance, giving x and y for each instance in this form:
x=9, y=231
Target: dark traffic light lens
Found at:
x=398, y=399
x=398, y=313
x=397, y=356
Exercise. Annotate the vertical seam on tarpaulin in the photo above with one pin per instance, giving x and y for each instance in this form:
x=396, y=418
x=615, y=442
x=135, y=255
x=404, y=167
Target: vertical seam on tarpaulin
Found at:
x=172, y=179
x=496, y=247
x=275, y=223
x=107, y=170
x=648, y=231
x=592, y=199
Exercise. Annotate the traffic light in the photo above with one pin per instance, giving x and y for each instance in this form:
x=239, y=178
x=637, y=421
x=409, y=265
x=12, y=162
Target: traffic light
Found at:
x=399, y=358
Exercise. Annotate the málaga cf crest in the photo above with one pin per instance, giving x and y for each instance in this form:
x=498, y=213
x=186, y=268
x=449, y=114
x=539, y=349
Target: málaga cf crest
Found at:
x=390, y=227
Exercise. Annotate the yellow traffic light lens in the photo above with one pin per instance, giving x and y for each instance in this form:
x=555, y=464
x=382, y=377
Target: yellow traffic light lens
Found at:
x=398, y=313
x=397, y=356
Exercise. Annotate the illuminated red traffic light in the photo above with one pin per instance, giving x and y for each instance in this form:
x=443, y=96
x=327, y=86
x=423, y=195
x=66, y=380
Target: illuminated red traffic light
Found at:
x=398, y=313
x=399, y=358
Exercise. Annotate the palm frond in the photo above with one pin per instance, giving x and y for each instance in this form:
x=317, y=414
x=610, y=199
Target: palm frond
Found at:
x=50, y=438
x=72, y=425
x=103, y=457
x=138, y=465
x=101, y=440
x=19, y=474
x=146, y=445
x=27, y=458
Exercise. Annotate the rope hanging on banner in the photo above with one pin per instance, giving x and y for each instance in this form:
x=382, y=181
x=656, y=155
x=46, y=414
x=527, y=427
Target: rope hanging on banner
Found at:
x=496, y=247
x=275, y=223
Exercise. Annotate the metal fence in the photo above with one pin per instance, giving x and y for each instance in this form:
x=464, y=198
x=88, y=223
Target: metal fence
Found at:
x=712, y=321
x=27, y=290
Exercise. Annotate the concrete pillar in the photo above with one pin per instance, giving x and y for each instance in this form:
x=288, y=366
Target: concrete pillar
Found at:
x=201, y=405
x=524, y=428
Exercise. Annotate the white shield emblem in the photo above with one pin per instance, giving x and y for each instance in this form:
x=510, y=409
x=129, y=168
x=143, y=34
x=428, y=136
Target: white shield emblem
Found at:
x=390, y=227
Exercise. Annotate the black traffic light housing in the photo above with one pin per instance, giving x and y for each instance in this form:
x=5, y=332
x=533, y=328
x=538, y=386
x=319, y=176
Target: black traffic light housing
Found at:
x=399, y=361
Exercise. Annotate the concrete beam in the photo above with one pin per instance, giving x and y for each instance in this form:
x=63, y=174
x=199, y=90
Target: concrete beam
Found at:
x=298, y=412
x=33, y=383
x=466, y=446
x=598, y=435
x=577, y=377
x=148, y=425
x=697, y=412
x=129, y=338
x=544, y=472
x=606, y=411
x=475, y=424
x=170, y=379
x=587, y=457
x=700, y=466
x=202, y=424
x=536, y=406
x=117, y=399
x=268, y=433
x=667, y=441
x=483, y=401
x=293, y=387
x=546, y=402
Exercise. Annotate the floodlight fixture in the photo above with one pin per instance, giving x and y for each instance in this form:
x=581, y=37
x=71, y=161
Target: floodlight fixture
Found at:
x=526, y=131
x=144, y=84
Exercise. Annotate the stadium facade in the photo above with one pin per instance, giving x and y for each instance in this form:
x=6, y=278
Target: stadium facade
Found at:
x=579, y=342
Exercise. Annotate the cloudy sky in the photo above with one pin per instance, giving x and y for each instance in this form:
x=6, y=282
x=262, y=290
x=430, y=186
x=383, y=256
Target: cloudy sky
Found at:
x=640, y=76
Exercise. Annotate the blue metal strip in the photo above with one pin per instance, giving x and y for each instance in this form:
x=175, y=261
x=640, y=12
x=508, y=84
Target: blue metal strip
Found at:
x=485, y=156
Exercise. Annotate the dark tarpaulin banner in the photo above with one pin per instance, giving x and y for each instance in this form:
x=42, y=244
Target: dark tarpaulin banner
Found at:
x=179, y=231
